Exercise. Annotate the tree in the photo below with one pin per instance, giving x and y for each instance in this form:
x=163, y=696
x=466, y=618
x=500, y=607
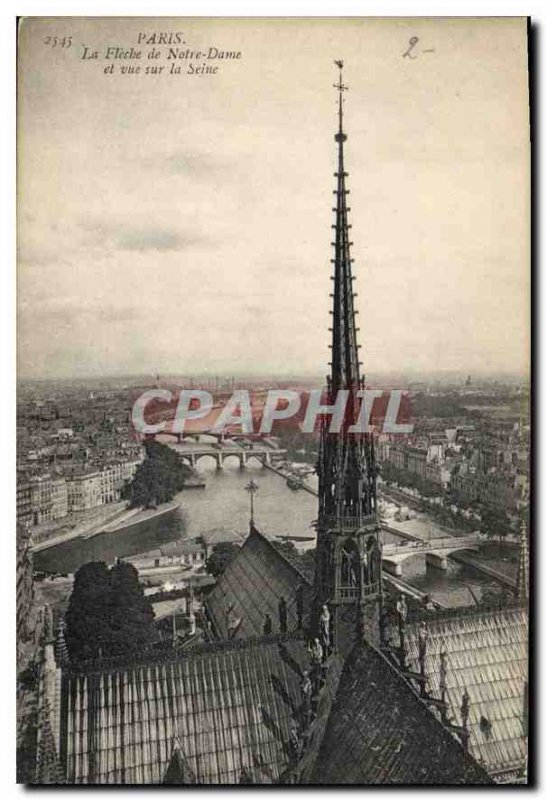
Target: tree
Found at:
x=131, y=614
x=494, y=523
x=108, y=612
x=221, y=556
x=87, y=617
x=159, y=477
x=495, y=595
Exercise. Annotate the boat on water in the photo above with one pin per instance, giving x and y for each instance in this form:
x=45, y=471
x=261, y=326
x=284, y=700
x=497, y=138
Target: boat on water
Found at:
x=195, y=481
x=134, y=517
x=286, y=537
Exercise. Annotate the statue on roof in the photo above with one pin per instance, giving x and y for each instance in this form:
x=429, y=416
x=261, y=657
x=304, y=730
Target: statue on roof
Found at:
x=374, y=557
x=306, y=690
x=324, y=630
x=402, y=610
x=423, y=636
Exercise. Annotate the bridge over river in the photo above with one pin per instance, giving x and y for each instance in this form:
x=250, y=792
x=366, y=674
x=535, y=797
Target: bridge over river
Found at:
x=417, y=550
x=265, y=452
x=436, y=551
x=406, y=558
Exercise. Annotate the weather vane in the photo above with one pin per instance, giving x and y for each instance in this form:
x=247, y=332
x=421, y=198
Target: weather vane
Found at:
x=340, y=86
x=340, y=136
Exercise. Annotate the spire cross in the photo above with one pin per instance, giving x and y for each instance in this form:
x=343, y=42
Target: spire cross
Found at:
x=341, y=89
x=340, y=86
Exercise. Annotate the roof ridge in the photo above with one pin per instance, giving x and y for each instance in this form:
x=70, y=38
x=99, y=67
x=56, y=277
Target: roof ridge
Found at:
x=460, y=614
x=157, y=657
x=273, y=545
x=380, y=680
x=401, y=678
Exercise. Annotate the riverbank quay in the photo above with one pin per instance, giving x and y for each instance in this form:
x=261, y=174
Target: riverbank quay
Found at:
x=135, y=516
x=119, y=521
x=78, y=528
x=76, y=525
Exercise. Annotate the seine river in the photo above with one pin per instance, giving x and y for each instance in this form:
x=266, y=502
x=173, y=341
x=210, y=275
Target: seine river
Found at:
x=223, y=509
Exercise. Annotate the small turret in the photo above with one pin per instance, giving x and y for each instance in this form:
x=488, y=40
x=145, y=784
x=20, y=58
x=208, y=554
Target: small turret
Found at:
x=48, y=634
x=61, y=649
x=48, y=769
x=523, y=576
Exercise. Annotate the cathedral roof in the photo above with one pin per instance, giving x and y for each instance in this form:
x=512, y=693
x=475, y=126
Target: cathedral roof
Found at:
x=222, y=713
x=487, y=654
x=218, y=714
x=380, y=732
x=252, y=586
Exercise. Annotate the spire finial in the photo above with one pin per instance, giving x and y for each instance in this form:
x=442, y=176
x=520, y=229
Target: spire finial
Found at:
x=340, y=136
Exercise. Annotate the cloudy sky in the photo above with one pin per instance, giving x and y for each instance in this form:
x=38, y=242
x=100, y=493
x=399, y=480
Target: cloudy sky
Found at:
x=181, y=223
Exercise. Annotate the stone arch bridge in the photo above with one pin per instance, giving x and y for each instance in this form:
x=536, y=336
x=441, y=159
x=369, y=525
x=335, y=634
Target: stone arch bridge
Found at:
x=192, y=450
x=435, y=552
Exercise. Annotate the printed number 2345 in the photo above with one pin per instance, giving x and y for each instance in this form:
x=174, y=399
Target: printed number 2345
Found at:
x=56, y=41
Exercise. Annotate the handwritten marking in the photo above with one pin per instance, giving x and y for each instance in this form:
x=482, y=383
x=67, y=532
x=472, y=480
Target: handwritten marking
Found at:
x=413, y=41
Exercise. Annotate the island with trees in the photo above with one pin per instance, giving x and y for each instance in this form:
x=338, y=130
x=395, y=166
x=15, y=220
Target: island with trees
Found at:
x=158, y=478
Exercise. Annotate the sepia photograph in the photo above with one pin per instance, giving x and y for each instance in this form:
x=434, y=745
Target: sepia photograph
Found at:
x=273, y=468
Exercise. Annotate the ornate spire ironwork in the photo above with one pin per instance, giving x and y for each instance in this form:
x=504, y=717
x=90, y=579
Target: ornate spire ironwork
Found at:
x=348, y=559
x=347, y=486
x=345, y=360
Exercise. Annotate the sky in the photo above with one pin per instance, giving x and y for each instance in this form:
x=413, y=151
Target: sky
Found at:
x=180, y=223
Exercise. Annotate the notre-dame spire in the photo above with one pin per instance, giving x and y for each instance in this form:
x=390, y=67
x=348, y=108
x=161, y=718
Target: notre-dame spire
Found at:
x=348, y=565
